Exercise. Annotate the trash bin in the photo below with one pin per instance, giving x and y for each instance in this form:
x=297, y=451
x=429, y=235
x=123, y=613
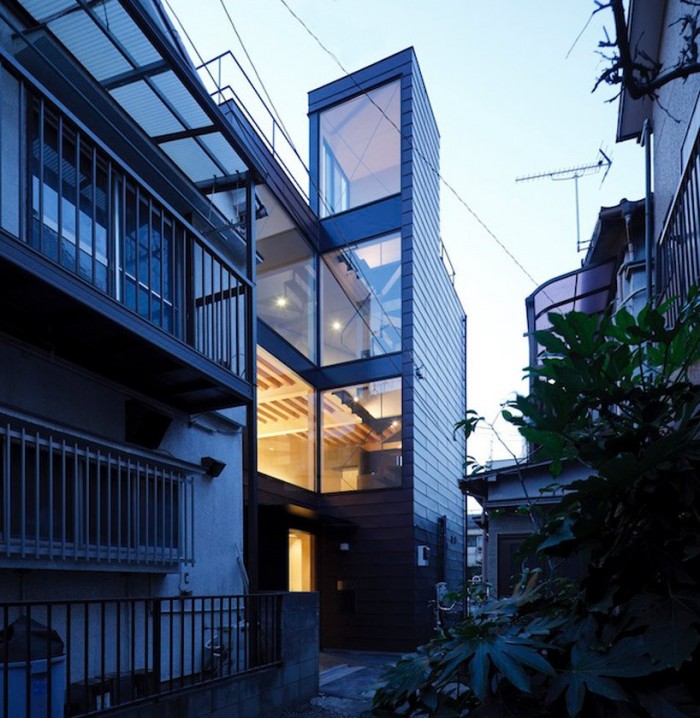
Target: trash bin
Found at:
x=30, y=651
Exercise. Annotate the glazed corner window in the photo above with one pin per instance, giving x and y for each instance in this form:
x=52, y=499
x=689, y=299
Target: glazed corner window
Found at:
x=286, y=296
x=286, y=423
x=360, y=150
x=361, y=300
x=362, y=437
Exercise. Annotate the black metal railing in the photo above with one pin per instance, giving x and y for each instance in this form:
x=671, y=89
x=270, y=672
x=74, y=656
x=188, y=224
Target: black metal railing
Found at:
x=80, y=658
x=71, y=499
x=678, y=252
x=89, y=216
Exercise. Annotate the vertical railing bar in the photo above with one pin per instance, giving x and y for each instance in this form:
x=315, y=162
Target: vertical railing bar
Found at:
x=98, y=502
x=132, y=641
x=146, y=512
x=76, y=502
x=87, y=502
x=192, y=641
x=171, y=668
x=118, y=650
x=5, y=661
x=129, y=502
x=64, y=497
x=28, y=666
x=23, y=491
x=157, y=644
x=86, y=646
x=119, y=508
x=147, y=665
x=173, y=508
x=162, y=515
x=137, y=511
x=8, y=489
x=37, y=493
x=236, y=327
x=109, y=507
x=69, y=652
x=49, y=660
x=201, y=639
x=182, y=640
x=51, y=497
x=103, y=645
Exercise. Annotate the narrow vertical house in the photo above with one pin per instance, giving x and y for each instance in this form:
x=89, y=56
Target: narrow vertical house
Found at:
x=359, y=393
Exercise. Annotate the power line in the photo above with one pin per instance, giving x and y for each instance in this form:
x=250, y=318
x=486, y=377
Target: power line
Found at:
x=427, y=161
x=278, y=117
x=348, y=245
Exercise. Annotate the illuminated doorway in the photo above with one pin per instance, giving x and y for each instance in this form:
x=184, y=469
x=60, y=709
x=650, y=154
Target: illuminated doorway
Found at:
x=301, y=561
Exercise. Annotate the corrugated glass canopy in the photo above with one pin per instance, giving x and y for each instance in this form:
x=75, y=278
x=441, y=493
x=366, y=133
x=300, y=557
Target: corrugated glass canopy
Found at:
x=163, y=96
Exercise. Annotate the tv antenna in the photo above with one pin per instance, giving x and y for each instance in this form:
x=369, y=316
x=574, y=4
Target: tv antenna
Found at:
x=574, y=173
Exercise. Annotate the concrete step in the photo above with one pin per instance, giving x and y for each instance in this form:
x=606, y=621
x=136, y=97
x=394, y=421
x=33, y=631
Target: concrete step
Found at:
x=337, y=672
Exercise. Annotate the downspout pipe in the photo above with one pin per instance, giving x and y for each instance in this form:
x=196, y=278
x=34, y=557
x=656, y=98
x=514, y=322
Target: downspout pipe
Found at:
x=648, y=229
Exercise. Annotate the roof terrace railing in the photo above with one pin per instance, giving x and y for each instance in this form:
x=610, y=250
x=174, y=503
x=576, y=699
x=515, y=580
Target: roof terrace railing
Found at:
x=220, y=75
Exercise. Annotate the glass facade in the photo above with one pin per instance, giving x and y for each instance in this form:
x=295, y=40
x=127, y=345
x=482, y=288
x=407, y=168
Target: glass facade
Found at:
x=360, y=150
x=361, y=300
x=286, y=296
x=361, y=437
x=286, y=424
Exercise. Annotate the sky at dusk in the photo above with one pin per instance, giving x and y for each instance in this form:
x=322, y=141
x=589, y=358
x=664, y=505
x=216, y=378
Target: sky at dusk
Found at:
x=508, y=102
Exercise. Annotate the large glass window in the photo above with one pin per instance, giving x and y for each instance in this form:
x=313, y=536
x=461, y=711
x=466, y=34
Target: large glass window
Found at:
x=362, y=437
x=361, y=305
x=286, y=423
x=286, y=296
x=360, y=150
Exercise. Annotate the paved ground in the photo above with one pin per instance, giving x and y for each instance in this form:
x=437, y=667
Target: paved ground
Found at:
x=347, y=683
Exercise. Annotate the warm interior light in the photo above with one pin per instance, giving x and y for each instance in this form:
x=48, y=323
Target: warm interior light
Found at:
x=336, y=325
x=281, y=301
x=394, y=424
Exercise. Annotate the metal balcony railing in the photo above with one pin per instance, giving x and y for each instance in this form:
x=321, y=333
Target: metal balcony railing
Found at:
x=678, y=251
x=83, y=658
x=68, y=500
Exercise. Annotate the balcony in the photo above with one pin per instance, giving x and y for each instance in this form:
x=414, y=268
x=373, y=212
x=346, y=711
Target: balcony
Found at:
x=678, y=251
x=97, y=270
x=69, y=501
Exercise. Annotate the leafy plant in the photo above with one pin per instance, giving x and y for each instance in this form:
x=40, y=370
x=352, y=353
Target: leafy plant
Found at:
x=612, y=393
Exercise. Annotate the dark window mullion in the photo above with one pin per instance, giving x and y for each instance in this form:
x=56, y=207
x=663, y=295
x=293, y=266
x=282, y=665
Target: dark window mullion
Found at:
x=59, y=192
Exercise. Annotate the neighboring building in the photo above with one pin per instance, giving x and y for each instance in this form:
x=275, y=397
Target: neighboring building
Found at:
x=612, y=274
x=361, y=370
x=673, y=124
x=127, y=355
x=616, y=271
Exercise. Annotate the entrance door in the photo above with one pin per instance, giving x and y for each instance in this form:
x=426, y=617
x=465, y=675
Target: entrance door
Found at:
x=301, y=561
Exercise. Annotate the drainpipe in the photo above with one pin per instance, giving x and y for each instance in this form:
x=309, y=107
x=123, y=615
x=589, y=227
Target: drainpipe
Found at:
x=648, y=229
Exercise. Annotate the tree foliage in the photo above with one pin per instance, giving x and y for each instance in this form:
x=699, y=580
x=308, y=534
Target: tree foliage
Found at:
x=612, y=393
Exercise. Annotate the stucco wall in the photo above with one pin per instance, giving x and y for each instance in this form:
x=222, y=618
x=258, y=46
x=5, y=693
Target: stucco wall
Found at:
x=34, y=383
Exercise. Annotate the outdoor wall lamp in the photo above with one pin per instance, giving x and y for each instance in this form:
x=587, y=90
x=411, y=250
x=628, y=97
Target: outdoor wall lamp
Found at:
x=212, y=467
